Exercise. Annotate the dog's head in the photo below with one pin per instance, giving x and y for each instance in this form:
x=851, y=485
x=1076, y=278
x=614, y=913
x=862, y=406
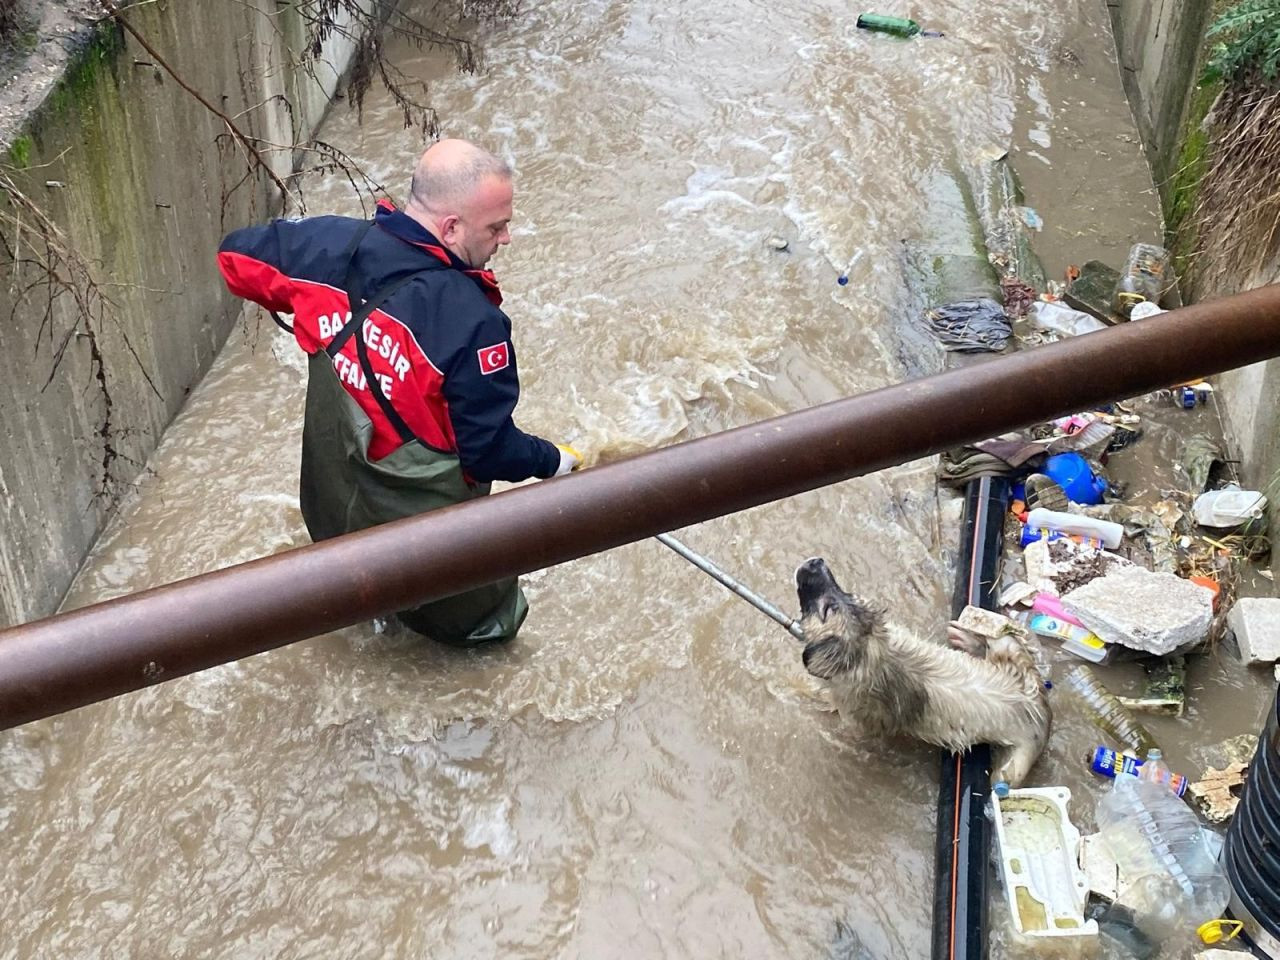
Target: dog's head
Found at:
x=837, y=628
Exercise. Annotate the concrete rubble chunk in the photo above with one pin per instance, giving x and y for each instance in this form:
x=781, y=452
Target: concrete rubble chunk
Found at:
x=1217, y=792
x=1093, y=289
x=1057, y=566
x=1157, y=613
x=987, y=623
x=1256, y=624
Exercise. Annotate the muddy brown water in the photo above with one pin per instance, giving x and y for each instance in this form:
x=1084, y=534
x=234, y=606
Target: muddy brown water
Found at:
x=646, y=771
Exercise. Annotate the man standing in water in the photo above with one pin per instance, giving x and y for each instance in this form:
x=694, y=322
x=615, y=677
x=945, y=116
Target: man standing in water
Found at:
x=412, y=372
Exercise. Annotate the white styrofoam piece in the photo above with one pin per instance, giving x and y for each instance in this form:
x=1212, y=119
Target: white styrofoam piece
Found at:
x=1100, y=868
x=1043, y=882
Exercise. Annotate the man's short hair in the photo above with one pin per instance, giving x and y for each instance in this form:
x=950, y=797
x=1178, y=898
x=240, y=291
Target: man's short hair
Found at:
x=438, y=186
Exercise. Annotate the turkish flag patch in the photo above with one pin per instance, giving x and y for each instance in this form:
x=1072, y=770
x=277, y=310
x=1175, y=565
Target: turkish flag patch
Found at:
x=495, y=358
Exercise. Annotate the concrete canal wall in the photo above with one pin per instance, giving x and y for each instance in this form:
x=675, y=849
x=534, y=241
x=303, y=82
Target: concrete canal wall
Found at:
x=128, y=169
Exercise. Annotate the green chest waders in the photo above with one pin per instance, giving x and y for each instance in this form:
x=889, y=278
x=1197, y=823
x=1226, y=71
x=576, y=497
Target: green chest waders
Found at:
x=342, y=490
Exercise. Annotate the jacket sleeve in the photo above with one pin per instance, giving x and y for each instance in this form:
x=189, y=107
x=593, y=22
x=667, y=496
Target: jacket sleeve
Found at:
x=482, y=388
x=252, y=266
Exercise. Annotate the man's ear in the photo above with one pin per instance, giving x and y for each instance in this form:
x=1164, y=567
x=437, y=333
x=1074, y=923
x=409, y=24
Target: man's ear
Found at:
x=449, y=226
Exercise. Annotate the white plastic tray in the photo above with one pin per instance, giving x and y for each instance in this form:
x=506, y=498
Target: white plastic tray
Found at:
x=1043, y=883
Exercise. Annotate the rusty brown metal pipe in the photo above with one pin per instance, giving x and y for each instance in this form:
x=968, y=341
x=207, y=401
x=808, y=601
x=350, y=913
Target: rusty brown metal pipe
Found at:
x=107, y=649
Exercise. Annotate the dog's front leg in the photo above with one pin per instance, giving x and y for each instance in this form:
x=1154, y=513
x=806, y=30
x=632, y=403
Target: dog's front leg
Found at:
x=966, y=641
x=1012, y=763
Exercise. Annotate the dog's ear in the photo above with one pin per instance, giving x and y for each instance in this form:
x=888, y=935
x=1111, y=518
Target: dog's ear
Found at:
x=827, y=658
x=870, y=616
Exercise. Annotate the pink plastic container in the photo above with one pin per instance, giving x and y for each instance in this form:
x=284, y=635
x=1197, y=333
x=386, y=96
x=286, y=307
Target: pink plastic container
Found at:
x=1048, y=603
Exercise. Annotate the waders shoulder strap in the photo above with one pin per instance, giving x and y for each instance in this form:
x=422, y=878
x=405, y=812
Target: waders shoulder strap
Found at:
x=358, y=317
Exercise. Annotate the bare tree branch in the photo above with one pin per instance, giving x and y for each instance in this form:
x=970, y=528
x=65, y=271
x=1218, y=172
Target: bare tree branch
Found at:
x=113, y=11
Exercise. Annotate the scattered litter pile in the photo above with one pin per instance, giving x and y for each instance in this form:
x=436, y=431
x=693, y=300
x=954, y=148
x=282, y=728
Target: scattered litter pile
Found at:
x=1109, y=578
x=1106, y=576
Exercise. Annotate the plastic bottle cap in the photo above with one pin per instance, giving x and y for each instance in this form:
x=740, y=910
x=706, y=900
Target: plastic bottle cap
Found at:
x=842, y=279
x=1213, y=931
x=1000, y=789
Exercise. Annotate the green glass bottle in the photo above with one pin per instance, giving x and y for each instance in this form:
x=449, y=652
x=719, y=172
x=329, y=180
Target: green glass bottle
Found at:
x=898, y=26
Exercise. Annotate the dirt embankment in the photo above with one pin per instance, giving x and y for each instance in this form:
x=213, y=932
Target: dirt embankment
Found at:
x=38, y=38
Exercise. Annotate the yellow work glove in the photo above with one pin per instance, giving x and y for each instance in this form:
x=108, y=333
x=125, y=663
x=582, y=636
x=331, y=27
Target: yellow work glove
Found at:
x=570, y=460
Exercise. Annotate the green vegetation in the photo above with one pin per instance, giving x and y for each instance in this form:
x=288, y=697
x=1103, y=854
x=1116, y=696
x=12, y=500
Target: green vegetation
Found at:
x=1223, y=205
x=1184, y=188
x=20, y=153
x=1248, y=41
x=82, y=76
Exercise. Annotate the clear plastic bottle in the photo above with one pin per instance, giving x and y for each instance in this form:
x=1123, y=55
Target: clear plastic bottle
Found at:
x=1110, y=715
x=1172, y=879
x=1153, y=769
x=1045, y=315
x=1106, y=762
x=1142, y=279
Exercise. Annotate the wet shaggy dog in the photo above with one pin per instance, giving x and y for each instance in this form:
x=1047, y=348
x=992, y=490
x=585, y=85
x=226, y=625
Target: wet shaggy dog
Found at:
x=891, y=682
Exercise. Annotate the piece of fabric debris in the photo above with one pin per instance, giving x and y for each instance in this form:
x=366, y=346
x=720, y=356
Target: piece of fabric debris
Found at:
x=1012, y=449
x=1200, y=455
x=970, y=326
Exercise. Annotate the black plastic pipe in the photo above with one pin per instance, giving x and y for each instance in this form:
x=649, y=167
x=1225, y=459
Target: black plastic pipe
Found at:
x=1252, y=854
x=963, y=831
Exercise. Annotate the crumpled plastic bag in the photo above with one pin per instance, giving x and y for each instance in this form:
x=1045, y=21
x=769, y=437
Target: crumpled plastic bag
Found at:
x=970, y=326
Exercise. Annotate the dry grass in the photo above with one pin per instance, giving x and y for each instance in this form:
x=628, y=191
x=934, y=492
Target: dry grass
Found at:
x=1237, y=215
x=1223, y=560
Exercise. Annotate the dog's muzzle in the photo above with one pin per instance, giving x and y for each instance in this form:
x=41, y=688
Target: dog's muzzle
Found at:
x=813, y=582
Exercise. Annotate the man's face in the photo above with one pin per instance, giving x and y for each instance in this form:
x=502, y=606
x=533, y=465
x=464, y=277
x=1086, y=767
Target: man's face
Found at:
x=481, y=226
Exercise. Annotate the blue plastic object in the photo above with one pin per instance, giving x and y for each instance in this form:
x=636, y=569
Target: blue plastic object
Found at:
x=1071, y=472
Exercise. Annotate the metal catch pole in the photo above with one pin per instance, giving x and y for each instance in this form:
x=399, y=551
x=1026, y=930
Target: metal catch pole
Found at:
x=746, y=593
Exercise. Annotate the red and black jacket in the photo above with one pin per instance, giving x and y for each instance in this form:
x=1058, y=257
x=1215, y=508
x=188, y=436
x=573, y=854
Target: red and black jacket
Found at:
x=439, y=346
